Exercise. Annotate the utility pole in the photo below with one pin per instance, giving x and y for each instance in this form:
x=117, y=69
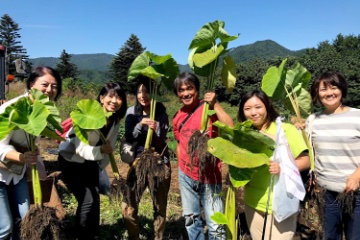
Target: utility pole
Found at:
x=2, y=74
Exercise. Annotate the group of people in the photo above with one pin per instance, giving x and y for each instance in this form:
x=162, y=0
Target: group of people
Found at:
x=334, y=133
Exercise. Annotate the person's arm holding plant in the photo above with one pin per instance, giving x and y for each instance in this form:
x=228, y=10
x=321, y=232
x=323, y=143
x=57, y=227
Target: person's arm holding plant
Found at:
x=210, y=98
x=90, y=151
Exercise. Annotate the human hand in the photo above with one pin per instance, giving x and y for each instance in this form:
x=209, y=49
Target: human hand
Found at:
x=274, y=168
x=150, y=123
x=352, y=184
x=298, y=124
x=106, y=148
x=29, y=157
x=210, y=98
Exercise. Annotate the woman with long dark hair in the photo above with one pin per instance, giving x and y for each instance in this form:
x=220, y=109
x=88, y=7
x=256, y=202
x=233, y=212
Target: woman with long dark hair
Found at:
x=137, y=124
x=80, y=162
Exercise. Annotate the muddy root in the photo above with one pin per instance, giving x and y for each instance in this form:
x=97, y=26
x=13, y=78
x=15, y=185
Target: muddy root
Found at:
x=199, y=155
x=148, y=171
x=119, y=190
x=41, y=223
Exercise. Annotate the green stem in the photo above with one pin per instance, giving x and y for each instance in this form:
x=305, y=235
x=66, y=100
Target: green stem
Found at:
x=150, y=132
x=35, y=177
x=113, y=165
x=295, y=105
x=230, y=213
x=204, y=117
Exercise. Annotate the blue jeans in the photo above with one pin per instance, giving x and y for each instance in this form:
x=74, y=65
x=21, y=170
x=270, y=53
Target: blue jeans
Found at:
x=193, y=196
x=336, y=220
x=14, y=204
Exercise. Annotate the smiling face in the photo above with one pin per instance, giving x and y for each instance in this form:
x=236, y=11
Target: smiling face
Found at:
x=143, y=96
x=47, y=85
x=255, y=110
x=330, y=96
x=188, y=94
x=111, y=102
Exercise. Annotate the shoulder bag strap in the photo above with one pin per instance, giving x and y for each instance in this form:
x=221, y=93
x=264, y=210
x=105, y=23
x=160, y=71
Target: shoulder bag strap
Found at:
x=189, y=115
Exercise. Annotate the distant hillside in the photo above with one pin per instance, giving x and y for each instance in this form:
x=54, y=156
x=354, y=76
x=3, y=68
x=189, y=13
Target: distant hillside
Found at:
x=266, y=49
x=93, y=67
x=97, y=61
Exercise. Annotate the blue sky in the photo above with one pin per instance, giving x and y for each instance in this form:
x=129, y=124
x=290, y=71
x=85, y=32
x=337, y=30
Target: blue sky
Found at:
x=165, y=26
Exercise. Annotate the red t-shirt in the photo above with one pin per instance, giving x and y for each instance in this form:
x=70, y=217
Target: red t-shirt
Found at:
x=213, y=172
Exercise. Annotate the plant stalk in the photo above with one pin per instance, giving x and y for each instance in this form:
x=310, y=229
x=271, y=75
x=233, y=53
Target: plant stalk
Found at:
x=150, y=132
x=113, y=165
x=35, y=177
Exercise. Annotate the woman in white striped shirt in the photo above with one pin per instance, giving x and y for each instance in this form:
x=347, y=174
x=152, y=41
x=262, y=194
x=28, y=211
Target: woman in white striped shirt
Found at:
x=335, y=135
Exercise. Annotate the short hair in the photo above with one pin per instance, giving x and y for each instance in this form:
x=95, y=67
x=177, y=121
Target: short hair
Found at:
x=41, y=71
x=186, y=78
x=115, y=88
x=272, y=114
x=328, y=78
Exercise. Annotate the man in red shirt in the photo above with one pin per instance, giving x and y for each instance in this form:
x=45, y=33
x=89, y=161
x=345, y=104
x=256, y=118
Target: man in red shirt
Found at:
x=204, y=190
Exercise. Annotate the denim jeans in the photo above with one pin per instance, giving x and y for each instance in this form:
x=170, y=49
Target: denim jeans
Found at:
x=14, y=204
x=336, y=220
x=193, y=196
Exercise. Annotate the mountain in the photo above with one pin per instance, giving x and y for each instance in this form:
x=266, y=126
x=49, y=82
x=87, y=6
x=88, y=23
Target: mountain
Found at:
x=100, y=62
x=266, y=49
x=97, y=61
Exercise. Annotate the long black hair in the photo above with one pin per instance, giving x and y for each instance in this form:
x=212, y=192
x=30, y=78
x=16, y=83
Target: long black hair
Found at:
x=115, y=88
x=148, y=83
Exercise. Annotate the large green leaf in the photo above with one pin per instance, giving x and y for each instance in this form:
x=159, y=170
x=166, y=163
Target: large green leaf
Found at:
x=141, y=62
x=204, y=71
x=33, y=123
x=228, y=73
x=204, y=58
x=81, y=133
x=5, y=127
x=207, y=34
x=298, y=75
x=240, y=177
x=235, y=156
x=47, y=132
x=243, y=136
x=304, y=102
x=273, y=82
x=54, y=117
x=89, y=115
x=151, y=72
x=171, y=72
x=157, y=59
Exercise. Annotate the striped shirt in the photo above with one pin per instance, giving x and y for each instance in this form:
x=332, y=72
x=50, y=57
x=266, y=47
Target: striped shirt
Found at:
x=336, y=142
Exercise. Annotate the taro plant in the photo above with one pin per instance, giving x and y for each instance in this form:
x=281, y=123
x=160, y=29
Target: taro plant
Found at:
x=160, y=70
x=289, y=86
x=90, y=116
x=36, y=115
x=245, y=150
x=209, y=43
